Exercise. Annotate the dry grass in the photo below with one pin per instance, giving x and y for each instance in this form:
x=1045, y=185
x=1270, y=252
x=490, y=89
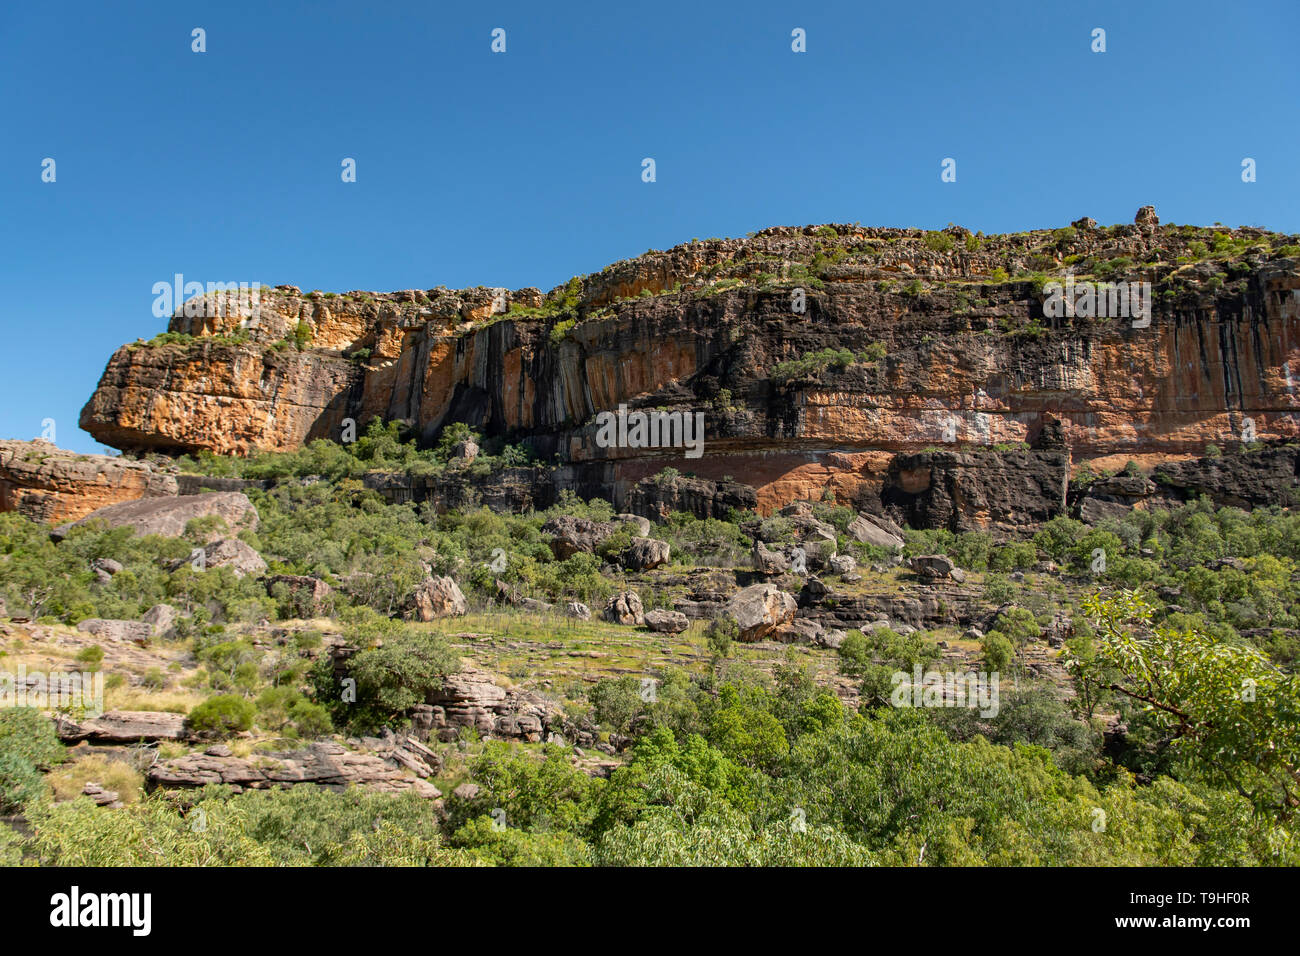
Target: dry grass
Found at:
x=144, y=698
x=67, y=781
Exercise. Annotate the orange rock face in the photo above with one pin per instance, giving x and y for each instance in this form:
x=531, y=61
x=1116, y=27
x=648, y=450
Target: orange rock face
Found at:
x=959, y=357
x=52, y=485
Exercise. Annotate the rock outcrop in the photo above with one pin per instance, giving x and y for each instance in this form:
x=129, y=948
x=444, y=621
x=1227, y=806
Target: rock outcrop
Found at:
x=169, y=516
x=324, y=763
x=124, y=727
x=474, y=699
x=1002, y=492
x=760, y=609
x=905, y=340
x=53, y=485
x=437, y=597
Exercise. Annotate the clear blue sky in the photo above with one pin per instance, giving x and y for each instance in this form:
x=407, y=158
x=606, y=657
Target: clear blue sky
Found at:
x=524, y=168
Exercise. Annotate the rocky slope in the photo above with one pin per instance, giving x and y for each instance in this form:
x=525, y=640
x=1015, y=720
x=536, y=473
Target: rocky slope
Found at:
x=946, y=337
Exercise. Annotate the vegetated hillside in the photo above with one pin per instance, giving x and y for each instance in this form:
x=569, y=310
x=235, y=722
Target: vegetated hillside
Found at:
x=304, y=664
x=815, y=355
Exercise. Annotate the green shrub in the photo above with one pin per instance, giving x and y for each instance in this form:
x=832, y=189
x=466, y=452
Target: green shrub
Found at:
x=27, y=733
x=20, y=783
x=223, y=714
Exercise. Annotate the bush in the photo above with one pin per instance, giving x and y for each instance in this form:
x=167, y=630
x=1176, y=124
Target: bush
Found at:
x=720, y=633
x=20, y=783
x=27, y=733
x=91, y=656
x=390, y=679
x=997, y=651
x=224, y=714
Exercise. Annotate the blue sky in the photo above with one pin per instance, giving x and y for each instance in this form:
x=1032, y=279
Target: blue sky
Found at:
x=524, y=168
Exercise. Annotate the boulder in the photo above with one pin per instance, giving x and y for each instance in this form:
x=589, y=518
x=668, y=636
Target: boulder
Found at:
x=759, y=610
x=881, y=532
x=932, y=565
x=666, y=622
x=466, y=791
x=645, y=553
x=168, y=516
x=818, y=551
x=234, y=554
x=124, y=727
x=466, y=450
x=802, y=630
x=832, y=638
x=571, y=535
x=436, y=597
x=578, y=610
x=104, y=569
x=841, y=564
x=162, y=619
x=767, y=561
x=625, y=608
x=136, y=632
x=813, y=590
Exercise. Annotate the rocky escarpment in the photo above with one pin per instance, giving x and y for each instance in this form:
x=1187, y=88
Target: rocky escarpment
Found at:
x=51, y=484
x=814, y=355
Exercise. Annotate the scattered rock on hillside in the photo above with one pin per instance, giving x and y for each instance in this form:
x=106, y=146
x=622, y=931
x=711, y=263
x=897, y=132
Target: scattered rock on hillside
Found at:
x=436, y=597
x=644, y=554
x=571, y=535
x=625, y=608
x=168, y=516
x=137, y=632
x=123, y=727
x=666, y=622
x=760, y=609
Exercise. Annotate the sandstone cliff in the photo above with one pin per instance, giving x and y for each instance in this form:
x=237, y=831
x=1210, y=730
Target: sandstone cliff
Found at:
x=51, y=484
x=907, y=340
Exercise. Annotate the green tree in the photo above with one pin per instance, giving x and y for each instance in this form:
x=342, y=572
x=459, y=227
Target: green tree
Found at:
x=1224, y=707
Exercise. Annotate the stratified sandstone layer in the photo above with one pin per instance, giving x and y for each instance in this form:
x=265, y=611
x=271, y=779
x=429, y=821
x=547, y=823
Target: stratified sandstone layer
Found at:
x=946, y=337
x=51, y=484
